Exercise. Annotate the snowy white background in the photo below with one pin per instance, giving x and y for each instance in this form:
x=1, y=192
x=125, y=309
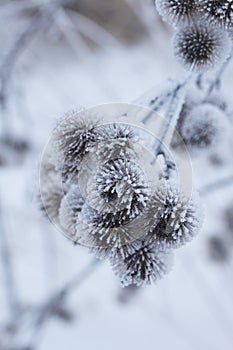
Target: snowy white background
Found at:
x=192, y=307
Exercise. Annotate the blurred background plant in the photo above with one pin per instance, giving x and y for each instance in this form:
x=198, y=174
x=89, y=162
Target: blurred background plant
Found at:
x=56, y=55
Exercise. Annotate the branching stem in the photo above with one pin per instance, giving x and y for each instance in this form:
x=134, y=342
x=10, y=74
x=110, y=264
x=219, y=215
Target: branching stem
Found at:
x=215, y=84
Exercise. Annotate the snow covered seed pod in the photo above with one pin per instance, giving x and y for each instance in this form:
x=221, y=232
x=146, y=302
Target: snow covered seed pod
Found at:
x=200, y=46
x=79, y=133
x=177, y=11
x=120, y=187
x=122, y=138
x=140, y=263
x=203, y=126
x=219, y=12
x=110, y=197
x=116, y=199
x=73, y=138
x=173, y=219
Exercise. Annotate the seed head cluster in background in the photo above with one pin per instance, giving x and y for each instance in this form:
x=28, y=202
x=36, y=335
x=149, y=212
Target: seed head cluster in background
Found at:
x=100, y=188
x=203, y=30
x=203, y=122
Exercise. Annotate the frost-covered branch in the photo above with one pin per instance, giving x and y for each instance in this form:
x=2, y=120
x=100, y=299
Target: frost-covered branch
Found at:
x=156, y=101
x=171, y=100
x=173, y=112
x=215, y=84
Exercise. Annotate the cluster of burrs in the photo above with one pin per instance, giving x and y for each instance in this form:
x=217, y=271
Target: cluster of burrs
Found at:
x=100, y=189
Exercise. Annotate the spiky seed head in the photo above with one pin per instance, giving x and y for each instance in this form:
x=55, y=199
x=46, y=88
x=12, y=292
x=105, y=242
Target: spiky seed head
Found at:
x=177, y=11
x=119, y=186
x=173, y=219
x=140, y=263
x=115, y=131
x=200, y=47
x=218, y=12
x=115, y=141
x=80, y=133
x=116, y=199
x=102, y=241
x=203, y=127
x=74, y=137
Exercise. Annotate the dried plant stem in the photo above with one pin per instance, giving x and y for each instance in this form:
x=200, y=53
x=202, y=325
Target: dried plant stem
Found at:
x=215, y=84
x=172, y=115
x=174, y=99
x=156, y=102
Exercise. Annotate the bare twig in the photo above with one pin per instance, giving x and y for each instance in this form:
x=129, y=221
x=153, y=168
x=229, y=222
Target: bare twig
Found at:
x=174, y=99
x=215, y=84
x=154, y=101
x=174, y=108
